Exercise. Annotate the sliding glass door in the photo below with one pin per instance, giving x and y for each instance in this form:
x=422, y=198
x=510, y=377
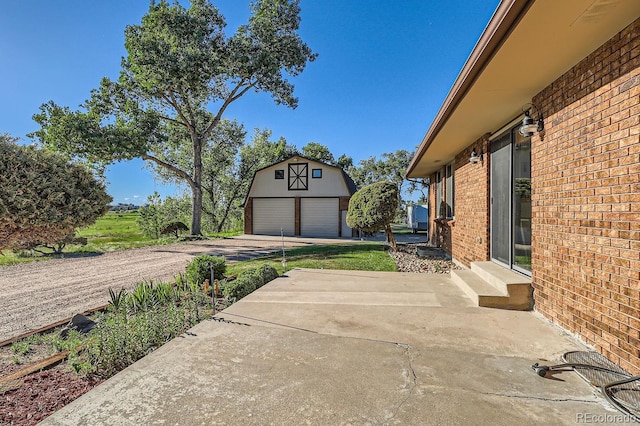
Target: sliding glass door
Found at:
x=511, y=201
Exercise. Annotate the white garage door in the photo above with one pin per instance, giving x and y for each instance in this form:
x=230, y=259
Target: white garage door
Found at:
x=272, y=214
x=319, y=217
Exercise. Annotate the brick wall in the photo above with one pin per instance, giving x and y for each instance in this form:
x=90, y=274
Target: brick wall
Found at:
x=471, y=228
x=586, y=200
x=248, y=216
x=467, y=238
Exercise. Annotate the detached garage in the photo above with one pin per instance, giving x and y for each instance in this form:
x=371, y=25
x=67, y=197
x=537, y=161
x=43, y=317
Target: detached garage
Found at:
x=299, y=197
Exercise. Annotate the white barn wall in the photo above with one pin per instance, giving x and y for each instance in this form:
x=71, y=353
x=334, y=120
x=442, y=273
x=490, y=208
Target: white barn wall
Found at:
x=331, y=184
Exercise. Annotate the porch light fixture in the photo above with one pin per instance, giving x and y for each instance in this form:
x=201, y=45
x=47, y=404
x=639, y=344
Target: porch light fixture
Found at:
x=475, y=157
x=529, y=125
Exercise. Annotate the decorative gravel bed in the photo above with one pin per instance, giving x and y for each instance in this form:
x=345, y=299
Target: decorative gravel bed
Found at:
x=434, y=262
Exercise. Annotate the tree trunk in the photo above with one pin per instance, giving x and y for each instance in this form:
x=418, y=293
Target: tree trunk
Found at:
x=196, y=188
x=227, y=209
x=390, y=238
x=196, y=219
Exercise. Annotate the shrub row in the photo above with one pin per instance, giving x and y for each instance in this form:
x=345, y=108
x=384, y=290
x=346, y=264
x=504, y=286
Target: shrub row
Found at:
x=249, y=281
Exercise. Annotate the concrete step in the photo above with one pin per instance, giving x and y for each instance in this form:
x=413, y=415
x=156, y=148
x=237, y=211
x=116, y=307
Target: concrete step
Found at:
x=493, y=286
x=479, y=291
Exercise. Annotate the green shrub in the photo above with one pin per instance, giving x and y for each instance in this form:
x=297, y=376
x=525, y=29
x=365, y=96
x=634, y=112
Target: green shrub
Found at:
x=200, y=268
x=373, y=207
x=268, y=273
x=246, y=282
x=174, y=228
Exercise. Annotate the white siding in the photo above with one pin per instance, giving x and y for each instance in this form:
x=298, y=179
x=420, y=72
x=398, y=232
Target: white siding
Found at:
x=272, y=214
x=332, y=183
x=320, y=217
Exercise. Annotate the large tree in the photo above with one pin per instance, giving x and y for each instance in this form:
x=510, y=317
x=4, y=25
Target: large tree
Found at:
x=228, y=165
x=319, y=152
x=44, y=197
x=181, y=72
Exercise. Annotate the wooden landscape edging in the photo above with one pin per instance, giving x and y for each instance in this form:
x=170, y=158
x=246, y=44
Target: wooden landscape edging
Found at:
x=12, y=381
x=48, y=327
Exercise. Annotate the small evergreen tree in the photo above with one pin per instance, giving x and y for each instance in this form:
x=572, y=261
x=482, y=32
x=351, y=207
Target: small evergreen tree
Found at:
x=43, y=197
x=373, y=208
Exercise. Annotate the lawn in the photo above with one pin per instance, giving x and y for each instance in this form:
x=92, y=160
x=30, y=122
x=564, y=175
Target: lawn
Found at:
x=114, y=231
x=355, y=256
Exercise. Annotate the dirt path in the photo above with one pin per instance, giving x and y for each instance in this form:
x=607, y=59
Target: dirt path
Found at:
x=36, y=294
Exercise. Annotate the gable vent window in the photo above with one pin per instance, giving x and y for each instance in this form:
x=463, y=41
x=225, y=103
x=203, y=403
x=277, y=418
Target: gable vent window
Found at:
x=316, y=173
x=298, y=177
x=279, y=174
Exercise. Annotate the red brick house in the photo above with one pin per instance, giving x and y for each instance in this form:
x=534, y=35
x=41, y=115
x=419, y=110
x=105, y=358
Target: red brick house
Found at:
x=558, y=207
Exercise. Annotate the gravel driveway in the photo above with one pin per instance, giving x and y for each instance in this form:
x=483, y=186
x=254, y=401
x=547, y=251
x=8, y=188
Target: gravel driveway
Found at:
x=33, y=295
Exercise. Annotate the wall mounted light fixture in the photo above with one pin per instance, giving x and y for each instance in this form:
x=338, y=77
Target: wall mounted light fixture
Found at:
x=475, y=157
x=530, y=126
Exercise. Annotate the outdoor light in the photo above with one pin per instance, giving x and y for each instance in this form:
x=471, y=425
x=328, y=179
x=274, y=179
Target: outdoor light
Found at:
x=529, y=125
x=475, y=158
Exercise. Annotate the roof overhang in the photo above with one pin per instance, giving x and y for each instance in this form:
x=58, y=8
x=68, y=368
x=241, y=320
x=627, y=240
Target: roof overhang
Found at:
x=526, y=46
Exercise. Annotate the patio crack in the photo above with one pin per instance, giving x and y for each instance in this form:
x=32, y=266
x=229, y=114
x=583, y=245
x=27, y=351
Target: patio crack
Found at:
x=540, y=398
x=411, y=379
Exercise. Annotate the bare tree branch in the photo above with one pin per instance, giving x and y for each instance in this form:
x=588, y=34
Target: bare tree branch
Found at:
x=235, y=94
x=174, y=169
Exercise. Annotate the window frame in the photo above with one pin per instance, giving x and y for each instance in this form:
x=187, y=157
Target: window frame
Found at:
x=449, y=190
x=298, y=177
x=279, y=174
x=313, y=173
x=439, y=193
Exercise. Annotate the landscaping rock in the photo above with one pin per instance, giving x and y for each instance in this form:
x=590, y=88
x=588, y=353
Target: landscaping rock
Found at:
x=432, y=260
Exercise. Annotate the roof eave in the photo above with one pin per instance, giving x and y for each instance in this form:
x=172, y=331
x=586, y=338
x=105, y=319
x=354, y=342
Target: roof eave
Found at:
x=502, y=22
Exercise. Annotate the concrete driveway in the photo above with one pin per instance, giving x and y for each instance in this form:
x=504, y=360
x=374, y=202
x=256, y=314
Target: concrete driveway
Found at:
x=327, y=347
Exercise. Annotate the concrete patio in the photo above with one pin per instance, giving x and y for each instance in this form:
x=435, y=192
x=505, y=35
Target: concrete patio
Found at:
x=327, y=347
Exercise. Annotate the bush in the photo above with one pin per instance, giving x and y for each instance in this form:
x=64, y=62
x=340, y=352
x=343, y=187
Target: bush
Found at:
x=200, y=268
x=248, y=281
x=373, y=208
x=44, y=197
x=268, y=273
x=174, y=228
x=240, y=287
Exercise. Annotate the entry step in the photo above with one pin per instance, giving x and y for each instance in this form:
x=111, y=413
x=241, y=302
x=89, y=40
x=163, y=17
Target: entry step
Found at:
x=493, y=286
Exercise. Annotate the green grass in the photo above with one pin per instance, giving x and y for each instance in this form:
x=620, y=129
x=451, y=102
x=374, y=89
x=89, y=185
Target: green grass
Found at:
x=358, y=256
x=115, y=231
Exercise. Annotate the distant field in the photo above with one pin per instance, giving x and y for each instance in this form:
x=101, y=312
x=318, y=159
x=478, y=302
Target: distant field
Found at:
x=115, y=231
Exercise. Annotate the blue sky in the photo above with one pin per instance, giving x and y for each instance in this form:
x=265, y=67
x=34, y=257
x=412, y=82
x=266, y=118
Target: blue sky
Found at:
x=384, y=68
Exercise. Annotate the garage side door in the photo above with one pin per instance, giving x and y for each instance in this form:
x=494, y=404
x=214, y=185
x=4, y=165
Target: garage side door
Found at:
x=319, y=217
x=271, y=214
